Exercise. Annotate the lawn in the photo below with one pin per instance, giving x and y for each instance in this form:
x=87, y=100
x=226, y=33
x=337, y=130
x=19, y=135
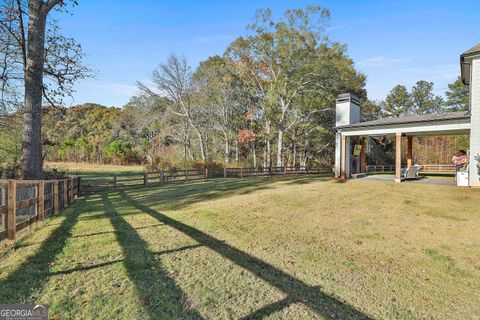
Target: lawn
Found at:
x=80, y=168
x=276, y=248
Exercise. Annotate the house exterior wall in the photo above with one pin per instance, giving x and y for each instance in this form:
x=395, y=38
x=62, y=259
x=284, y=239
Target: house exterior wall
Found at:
x=338, y=154
x=347, y=112
x=474, y=161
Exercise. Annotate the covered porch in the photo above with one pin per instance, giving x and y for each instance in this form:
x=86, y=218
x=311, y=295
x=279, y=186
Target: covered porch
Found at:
x=397, y=129
x=350, y=127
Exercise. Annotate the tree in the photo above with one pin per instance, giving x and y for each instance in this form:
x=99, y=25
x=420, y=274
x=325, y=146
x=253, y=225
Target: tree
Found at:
x=398, y=102
x=370, y=110
x=30, y=51
x=286, y=60
x=174, y=79
x=224, y=96
x=457, y=96
x=424, y=101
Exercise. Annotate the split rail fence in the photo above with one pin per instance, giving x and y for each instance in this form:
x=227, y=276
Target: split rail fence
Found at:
x=24, y=202
x=92, y=184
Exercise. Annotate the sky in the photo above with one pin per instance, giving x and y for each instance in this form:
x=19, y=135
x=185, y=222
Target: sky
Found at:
x=392, y=42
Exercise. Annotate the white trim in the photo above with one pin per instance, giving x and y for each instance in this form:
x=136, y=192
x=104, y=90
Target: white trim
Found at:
x=420, y=129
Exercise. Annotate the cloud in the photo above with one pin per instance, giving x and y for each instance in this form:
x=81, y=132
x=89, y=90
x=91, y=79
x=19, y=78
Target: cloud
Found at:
x=210, y=38
x=382, y=62
x=334, y=27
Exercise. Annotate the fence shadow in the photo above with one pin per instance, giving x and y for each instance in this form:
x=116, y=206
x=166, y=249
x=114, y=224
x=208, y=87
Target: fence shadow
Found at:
x=19, y=286
x=158, y=292
x=296, y=290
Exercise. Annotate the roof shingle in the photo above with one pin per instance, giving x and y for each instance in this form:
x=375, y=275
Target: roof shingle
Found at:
x=473, y=50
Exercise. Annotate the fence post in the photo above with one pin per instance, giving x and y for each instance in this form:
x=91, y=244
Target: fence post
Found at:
x=186, y=175
x=41, y=200
x=145, y=178
x=79, y=181
x=206, y=173
x=71, y=190
x=162, y=177
x=12, y=209
x=55, y=197
x=225, y=172
x=241, y=173
x=78, y=188
x=65, y=193
x=114, y=180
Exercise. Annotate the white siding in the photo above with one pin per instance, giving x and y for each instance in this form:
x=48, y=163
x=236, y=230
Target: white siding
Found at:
x=338, y=154
x=475, y=124
x=347, y=113
x=354, y=113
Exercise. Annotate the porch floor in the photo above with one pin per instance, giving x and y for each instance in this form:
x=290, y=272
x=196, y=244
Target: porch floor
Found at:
x=444, y=181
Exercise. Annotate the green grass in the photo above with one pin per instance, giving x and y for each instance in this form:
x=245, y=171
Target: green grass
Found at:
x=291, y=248
x=75, y=168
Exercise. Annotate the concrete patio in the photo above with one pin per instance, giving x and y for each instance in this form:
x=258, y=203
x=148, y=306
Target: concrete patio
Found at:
x=444, y=181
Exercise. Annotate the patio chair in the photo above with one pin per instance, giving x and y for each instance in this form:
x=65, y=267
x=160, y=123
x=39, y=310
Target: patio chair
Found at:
x=411, y=172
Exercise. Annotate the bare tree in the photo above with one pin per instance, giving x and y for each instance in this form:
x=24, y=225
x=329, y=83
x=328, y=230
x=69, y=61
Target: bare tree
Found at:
x=174, y=80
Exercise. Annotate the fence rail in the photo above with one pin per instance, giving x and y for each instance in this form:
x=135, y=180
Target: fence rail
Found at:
x=92, y=184
x=427, y=168
x=24, y=202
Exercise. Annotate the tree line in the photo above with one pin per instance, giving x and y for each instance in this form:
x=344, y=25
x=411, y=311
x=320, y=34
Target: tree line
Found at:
x=268, y=100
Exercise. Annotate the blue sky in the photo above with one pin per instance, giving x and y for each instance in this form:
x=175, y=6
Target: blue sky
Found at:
x=392, y=42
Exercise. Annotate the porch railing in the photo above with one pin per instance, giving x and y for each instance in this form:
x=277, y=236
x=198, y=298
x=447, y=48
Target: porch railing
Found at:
x=427, y=168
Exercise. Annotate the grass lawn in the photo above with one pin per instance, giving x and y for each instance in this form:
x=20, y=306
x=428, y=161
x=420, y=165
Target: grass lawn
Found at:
x=75, y=168
x=276, y=248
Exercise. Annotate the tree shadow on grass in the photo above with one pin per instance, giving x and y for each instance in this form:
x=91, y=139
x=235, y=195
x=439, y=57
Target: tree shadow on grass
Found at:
x=20, y=286
x=178, y=196
x=159, y=293
x=296, y=290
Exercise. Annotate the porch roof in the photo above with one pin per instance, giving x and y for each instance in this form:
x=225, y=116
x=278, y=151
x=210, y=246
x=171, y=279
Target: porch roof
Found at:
x=431, y=124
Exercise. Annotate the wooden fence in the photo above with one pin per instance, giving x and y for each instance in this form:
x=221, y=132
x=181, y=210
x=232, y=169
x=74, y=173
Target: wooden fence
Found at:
x=92, y=184
x=24, y=202
x=427, y=168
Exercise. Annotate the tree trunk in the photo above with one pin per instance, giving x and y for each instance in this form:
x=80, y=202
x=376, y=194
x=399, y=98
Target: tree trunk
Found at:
x=254, y=155
x=227, y=148
x=202, y=144
x=31, y=163
x=280, y=147
x=294, y=154
x=236, y=151
x=269, y=158
x=265, y=154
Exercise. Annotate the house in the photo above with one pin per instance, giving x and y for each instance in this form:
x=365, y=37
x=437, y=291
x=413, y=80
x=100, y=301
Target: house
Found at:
x=348, y=126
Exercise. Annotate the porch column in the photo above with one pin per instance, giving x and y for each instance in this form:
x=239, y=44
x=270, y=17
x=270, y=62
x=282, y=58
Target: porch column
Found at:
x=363, y=167
x=410, y=152
x=398, y=157
x=343, y=167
